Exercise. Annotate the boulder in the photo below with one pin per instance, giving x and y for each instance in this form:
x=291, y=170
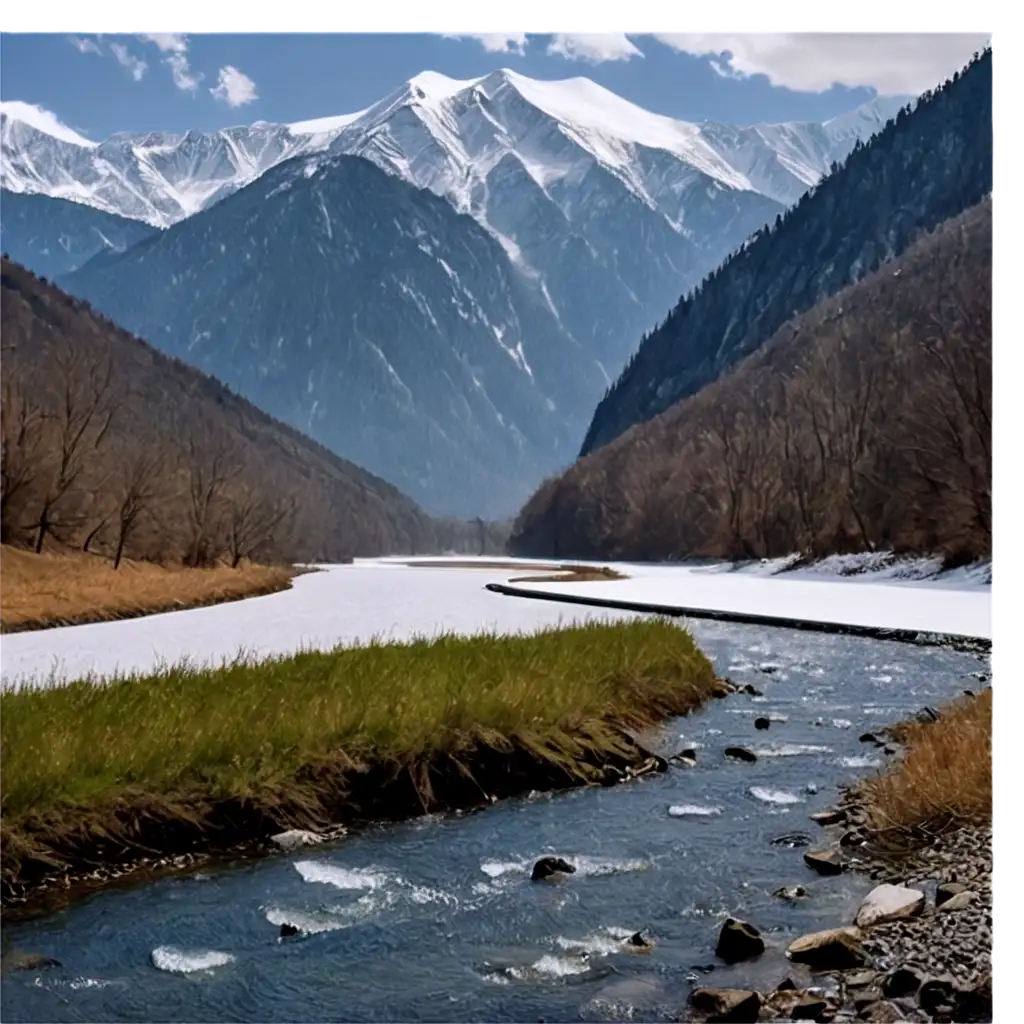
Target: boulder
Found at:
x=296, y=838
x=762, y=723
x=687, y=757
x=959, y=901
x=639, y=943
x=934, y=992
x=853, y=838
x=288, y=930
x=791, y=893
x=720, y=691
x=870, y=737
x=797, y=1005
x=825, y=862
x=738, y=941
x=29, y=962
x=825, y=818
x=882, y=1012
x=974, y=1004
x=927, y=715
x=740, y=754
x=889, y=903
x=551, y=869
x=903, y=981
x=836, y=949
x=860, y=979
x=945, y=890
x=751, y=689
x=727, y=1004
x=792, y=840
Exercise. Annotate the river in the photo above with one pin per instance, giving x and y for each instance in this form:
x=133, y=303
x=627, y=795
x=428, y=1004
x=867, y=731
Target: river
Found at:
x=436, y=919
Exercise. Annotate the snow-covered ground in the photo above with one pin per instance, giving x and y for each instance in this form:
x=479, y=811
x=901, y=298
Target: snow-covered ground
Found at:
x=385, y=598
x=855, y=591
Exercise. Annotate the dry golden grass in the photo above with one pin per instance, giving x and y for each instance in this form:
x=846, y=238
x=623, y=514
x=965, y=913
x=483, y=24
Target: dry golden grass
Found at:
x=45, y=590
x=945, y=775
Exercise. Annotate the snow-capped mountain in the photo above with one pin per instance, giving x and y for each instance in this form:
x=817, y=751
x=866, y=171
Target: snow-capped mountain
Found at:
x=614, y=210
x=372, y=316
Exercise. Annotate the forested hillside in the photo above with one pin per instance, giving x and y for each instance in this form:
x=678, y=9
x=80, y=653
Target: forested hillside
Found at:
x=865, y=424
x=111, y=446
x=926, y=166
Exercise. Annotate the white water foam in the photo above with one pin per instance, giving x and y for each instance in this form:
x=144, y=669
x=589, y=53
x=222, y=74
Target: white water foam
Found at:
x=497, y=868
x=587, y=866
x=308, y=923
x=774, y=796
x=339, y=877
x=858, y=761
x=696, y=810
x=553, y=966
x=180, y=961
x=791, y=750
x=599, y=944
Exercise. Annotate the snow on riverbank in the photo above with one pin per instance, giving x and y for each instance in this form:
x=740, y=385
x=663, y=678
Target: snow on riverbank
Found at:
x=342, y=604
x=890, y=596
x=386, y=598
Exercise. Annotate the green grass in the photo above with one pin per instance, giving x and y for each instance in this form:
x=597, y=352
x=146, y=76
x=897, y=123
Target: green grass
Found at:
x=271, y=735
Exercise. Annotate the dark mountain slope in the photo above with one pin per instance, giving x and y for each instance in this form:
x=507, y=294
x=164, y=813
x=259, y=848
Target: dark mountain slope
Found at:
x=925, y=167
x=373, y=316
x=864, y=424
x=176, y=433
x=54, y=236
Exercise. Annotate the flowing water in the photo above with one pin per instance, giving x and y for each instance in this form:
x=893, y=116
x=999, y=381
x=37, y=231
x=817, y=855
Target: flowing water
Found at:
x=437, y=920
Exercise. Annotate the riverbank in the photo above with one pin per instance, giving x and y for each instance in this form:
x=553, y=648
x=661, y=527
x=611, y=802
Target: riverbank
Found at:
x=920, y=945
x=50, y=590
x=205, y=759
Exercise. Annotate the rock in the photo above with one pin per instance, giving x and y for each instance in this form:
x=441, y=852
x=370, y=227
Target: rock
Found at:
x=751, y=689
x=974, y=1004
x=825, y=818
x=853, y=838
x=551, y=868
x=882, y=1013
x=686, y=757
x=792, y=840
x=611, y=776
x=795, y=1004
x=288, y=929
x=889, y=903
x=28, y=962
x=768, y=668
x=934, y=992
x=295, y=839
x=863, y=998
x=791, y=893
x=639, y=943
x=860, y=979
x=825, y=862
x=944, y=890
x=903, y=981
x=727, y=1004
x=927, y=715
x=836, y=949
x=740, y=754
x=959, y=901
x=720, y=691
x=762, y=723
x=738, y=941
x=650, y=766
x=870, y=737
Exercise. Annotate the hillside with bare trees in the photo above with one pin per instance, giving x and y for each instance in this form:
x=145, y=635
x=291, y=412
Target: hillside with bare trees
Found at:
x=864, y=424
x=109, y=446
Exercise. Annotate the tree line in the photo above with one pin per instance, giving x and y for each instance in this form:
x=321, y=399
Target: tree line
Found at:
x=865, y=424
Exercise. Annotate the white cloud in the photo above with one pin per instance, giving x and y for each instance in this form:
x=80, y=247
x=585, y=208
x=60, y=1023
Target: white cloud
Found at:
x=593, y=46
x=175, y=45
x=497, y=42
x=42, y=120
x=234, y=87
x=136, y=65
x=85, y=45
x=893, y=64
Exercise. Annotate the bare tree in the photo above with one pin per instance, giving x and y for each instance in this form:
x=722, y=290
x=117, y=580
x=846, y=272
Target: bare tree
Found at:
x=21, y=453
x=254, y=519
x=83, y=414
x=140, y=488
x=212, y=466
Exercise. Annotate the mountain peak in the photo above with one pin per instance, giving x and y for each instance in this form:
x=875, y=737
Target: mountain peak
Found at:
x=44, y=121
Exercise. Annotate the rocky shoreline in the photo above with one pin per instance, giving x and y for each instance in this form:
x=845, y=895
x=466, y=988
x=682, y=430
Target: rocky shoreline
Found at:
x=918, y=949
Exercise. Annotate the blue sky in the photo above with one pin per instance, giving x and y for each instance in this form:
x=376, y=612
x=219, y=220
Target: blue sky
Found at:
x=102, y=84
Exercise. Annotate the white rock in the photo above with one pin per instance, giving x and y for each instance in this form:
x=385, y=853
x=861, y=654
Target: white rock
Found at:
x=295, y=838
x=889, y=903
x=959, y=901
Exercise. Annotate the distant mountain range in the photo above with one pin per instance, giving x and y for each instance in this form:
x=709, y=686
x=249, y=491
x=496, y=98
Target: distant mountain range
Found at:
x=592, y=215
